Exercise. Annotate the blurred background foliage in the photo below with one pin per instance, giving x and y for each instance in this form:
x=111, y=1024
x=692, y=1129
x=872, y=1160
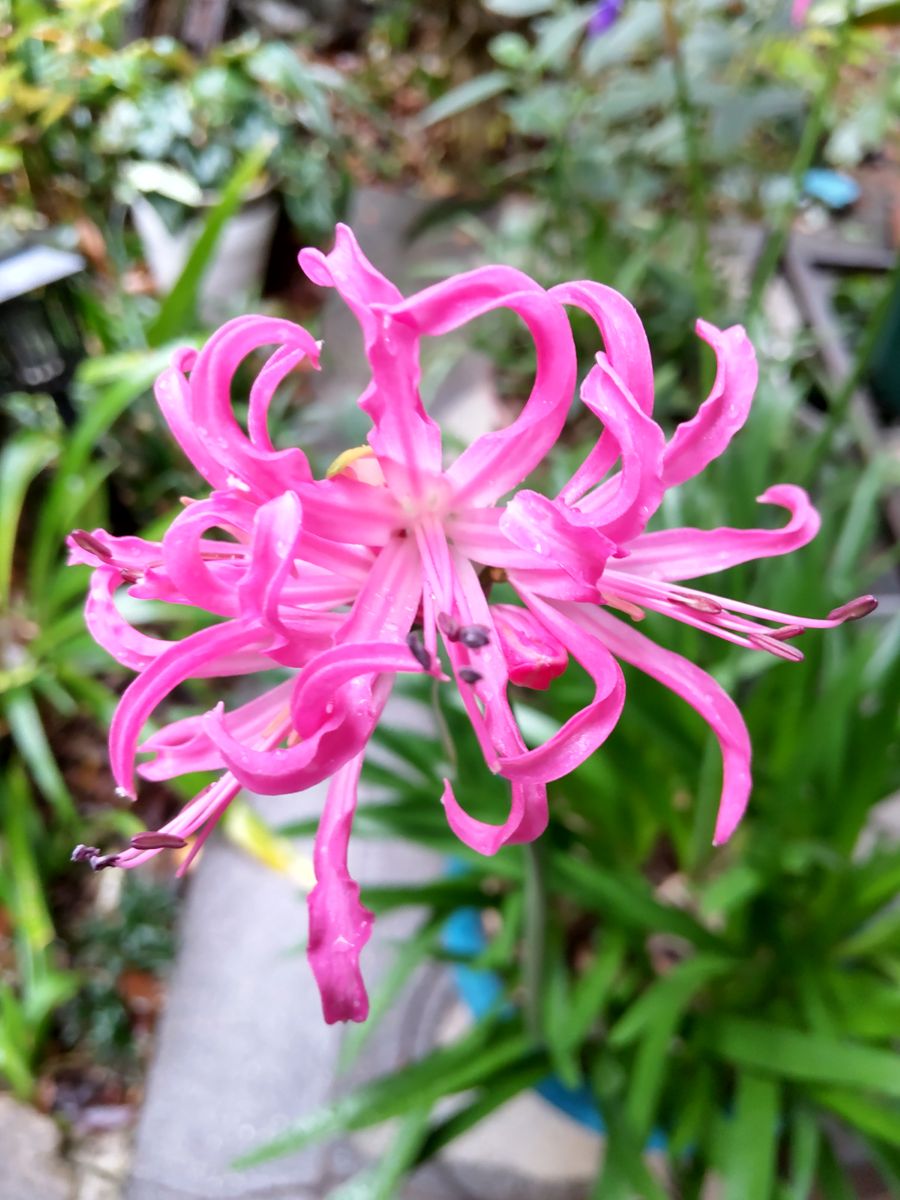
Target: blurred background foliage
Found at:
x=744, y=1001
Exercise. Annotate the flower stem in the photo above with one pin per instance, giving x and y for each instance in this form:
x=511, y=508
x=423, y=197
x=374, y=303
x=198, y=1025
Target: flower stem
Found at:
x=535, y=931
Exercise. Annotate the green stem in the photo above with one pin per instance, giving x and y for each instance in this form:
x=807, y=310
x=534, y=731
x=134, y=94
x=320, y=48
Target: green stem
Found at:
x=768, y=261
x=535, y=934
x=695, y=172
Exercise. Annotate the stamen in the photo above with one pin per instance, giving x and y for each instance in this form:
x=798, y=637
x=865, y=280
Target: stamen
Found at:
x=699, y=604
x=448, y=626
x=130, y=575
x=92, y=545
x=467, y=675
x=84, y=853
x=854, y=610
x=785, y=632
x=474, y=636
x=186, y=500
x=621, y=605
x=416, y=643
x=102, y=861
x=92, y=856
x=157, y=840
x=763, y=641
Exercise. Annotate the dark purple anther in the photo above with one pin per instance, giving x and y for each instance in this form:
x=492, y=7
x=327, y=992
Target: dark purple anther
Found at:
x=101, y=861
x=417, y=645
x=474, y=636
x=467, y=675
x=153, y=840
x=84, y=853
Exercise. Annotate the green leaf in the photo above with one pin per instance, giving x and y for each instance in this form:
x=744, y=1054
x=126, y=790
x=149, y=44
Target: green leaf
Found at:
x=805, y=1141
x=503, y=1086
x=31, y=741
x=669, y=994
x=466, y=95
x=382, y=1182
x=135, y=374
x=23, y=457
x=625, y=898
x=178, y=313
x=804, y=1057
x=875, y=1120
x=750, y=1166
x=165, y=180
x=492, y=1045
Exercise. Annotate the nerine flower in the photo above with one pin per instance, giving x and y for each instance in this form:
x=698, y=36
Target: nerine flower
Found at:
x=384, y=567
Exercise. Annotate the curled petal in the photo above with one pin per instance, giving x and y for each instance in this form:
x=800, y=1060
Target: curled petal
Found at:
x=678, y=554
x=279, y=366
x=190, y=564
x=589, y=728
x=277, y=771
x=624, y=339
x=319, y=683
x=182, y=660
x=528, y=797
x=239, y=463
x=623, y=505
x=702, y=692
x=404, y=435
x=184, y=746
x=698, y=441
x=339, y=925
x=276, y=534
x=498, y=461
x=559, y=535
x=137, y=650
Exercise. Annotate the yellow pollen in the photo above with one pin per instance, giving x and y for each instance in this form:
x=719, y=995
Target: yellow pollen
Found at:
x=347, y=458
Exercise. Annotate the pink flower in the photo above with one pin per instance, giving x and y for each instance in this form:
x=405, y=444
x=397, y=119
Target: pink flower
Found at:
x=799, y=9
x=342, y=583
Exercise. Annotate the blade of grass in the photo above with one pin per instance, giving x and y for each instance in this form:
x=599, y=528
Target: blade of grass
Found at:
x=178, y=313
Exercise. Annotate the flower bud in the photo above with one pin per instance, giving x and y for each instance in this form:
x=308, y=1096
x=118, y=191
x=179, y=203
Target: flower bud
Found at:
x=534, y=657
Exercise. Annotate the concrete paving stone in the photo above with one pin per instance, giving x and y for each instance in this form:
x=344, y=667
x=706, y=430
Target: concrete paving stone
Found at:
x=30, y=1166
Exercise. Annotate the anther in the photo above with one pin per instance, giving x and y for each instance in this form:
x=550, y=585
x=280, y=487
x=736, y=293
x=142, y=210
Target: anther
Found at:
x=467, y=675
x=416, y=644
x=448, y=626
x=854, y=610
x=84, y=853
x=474, y=636
x=700, y=604
x=101, y=861
x=784, y=633
x=763, y=641
x=153, y=840
x=92, y=545
x=130, y=575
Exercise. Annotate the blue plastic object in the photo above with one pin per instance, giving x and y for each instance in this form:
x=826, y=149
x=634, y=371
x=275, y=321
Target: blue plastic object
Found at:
x=834, y=189
x=481, y=990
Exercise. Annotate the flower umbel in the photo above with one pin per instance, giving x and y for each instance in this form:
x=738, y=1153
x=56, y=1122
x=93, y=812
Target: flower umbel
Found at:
x=383, y=567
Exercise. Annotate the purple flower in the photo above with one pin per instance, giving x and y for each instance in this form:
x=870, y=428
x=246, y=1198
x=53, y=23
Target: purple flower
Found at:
x=604, y=16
